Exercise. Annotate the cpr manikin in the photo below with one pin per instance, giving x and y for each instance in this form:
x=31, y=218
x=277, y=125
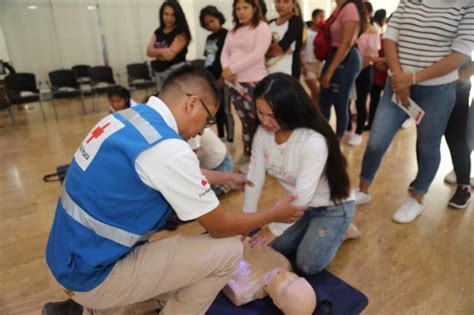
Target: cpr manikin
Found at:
x=292, y=294
x=263, y=271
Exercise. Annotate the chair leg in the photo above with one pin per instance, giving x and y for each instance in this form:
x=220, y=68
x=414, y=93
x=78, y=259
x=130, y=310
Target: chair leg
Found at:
x=12, y=117
x=82, y=104
x=54, y=107
x=95, y=100
x=42, y=109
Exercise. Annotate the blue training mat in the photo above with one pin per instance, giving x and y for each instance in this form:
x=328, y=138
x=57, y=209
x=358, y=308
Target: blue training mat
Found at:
x=345, y=299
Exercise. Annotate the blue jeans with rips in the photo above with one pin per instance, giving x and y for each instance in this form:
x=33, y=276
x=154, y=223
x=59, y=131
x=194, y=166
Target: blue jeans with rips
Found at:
x=340, y=88
x=317, y=236
x=437, y=101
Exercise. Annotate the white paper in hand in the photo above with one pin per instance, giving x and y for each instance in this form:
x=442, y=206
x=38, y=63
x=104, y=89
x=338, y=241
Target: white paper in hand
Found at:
x=413, y=110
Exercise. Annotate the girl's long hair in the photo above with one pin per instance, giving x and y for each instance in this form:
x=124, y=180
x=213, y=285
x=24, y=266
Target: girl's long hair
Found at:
x=293, y=108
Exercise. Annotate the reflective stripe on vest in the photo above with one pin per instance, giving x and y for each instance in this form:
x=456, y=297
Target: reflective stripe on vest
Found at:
x=109, y=232
x=143, y=126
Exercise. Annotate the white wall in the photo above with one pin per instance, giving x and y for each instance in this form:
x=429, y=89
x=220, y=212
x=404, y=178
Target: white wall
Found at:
x=63, y=33
x=3, y=46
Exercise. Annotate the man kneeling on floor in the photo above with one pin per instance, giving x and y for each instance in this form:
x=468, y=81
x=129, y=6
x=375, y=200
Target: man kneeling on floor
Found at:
x=130, y=172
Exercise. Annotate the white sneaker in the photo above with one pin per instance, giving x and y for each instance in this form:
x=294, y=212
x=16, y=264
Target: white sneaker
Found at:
x=355, y=140
x=406, y=124
x=408, y=211
x=361, y=197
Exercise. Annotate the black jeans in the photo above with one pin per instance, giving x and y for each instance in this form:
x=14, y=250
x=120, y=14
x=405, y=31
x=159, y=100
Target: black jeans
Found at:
x=456, y=136
x=224, y=118
x=363, y=86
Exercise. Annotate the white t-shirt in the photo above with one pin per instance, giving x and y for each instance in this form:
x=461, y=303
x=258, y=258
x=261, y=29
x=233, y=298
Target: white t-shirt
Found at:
x=210, y=150
x=172, y=168
x=298, y=165
x=308, y=53
x=284, y=62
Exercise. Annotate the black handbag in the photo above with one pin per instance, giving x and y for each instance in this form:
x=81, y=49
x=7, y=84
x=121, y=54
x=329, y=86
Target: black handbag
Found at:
x=58, y=176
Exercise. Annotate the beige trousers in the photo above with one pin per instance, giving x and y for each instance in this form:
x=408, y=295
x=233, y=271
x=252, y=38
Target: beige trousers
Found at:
x=179, y=275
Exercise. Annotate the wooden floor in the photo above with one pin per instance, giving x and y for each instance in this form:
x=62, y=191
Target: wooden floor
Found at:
x=426, y=267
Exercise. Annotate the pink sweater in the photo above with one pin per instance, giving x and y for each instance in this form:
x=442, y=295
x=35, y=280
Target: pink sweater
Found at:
x=244, y=52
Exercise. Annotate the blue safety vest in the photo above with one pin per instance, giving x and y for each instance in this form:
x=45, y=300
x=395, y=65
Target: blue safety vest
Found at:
x=105, y=210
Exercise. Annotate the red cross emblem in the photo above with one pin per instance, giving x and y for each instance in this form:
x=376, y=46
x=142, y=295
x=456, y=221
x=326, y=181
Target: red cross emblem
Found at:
x=97, y=132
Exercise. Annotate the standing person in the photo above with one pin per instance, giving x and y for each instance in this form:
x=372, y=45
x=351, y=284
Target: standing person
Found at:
x=214, y=160
x=287, y=40
x=295, y=144
x=310, y=65
x=369, y=46
x=169, y=43
x=457, y=139
x=423, y=56
x=343, y=63
x=243, y=62
x=380, y=21
x=131, y=171
x=380, y=68
x=212, y=20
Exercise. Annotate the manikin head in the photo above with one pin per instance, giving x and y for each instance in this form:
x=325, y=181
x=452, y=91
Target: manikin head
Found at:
x=293, y=295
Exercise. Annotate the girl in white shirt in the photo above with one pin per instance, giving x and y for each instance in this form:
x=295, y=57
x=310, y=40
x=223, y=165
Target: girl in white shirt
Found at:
x=296, y=145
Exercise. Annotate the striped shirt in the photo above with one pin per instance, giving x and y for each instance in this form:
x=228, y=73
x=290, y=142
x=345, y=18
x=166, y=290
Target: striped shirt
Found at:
x=426, y=31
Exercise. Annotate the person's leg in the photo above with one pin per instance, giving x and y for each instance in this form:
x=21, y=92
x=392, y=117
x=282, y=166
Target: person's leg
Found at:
x=183, y=273
x=311, y=81
x=227, y=165
x=324, y=236
x=236, y=99
x=228, y=116
x=343, y=79
x=456, y=135
x=289, y=241
x=313, y=86
x=247, y=113
x=388, y=119
x=326, y=95
x=349, y=115
x=374, y=102
x=437, y=102
x=364, y=85
x=221, y=121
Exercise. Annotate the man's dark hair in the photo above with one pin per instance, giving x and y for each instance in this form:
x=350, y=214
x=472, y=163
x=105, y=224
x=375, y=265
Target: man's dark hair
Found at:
x=191, y=75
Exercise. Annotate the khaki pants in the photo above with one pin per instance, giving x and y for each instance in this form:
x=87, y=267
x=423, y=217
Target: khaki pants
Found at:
x=179, y=274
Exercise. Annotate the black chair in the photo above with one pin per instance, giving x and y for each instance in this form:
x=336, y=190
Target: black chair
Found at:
x=98, y=75
x=139, y=76
x=64, y=85
x=5, y=103
x=82, y=73
x=16, y=83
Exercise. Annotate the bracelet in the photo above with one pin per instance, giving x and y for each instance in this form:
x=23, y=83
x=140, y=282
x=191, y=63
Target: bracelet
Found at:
x=413, y=76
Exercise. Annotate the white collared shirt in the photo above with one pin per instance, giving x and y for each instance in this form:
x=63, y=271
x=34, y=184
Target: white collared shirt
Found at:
x=172, y=168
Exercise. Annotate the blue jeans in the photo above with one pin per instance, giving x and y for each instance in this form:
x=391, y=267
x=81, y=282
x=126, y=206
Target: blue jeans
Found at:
x=226, y=166
x=340, y=88
x=437, y=101
x=317, y=236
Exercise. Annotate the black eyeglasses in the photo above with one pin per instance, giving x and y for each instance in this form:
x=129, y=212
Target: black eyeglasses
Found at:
x=211, y=120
